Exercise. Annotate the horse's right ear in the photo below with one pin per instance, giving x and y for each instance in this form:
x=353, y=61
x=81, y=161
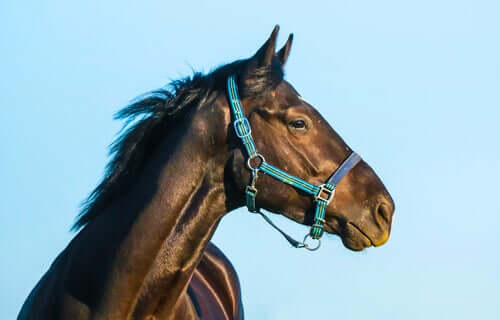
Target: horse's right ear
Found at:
x=285, y=51
x=264, y=56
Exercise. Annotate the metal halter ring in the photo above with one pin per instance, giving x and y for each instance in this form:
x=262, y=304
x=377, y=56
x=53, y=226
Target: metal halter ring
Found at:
x=307, y=246
x=249, y=162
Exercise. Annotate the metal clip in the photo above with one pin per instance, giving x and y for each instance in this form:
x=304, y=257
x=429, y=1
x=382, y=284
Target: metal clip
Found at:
x=251, y=192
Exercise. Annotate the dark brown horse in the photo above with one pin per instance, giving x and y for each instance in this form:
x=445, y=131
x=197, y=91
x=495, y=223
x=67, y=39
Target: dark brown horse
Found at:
x=143, y=250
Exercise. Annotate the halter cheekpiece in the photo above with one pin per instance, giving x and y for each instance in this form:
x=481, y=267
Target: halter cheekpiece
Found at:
x=322, y=194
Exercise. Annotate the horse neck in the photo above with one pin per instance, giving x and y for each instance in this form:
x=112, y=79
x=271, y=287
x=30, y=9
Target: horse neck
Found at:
x=165, y=239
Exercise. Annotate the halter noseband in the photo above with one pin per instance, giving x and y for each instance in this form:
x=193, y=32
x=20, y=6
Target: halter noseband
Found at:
x=323, y=194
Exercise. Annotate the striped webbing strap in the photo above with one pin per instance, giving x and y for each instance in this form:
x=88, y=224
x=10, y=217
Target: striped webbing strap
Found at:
x=322, y=194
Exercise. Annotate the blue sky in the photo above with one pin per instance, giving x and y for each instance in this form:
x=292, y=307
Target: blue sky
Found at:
x=413, y=86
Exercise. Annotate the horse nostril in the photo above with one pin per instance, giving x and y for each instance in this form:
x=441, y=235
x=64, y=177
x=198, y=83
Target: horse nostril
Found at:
x=385, y=211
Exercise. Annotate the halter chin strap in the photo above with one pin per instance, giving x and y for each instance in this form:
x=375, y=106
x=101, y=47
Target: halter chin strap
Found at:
x=322, y=194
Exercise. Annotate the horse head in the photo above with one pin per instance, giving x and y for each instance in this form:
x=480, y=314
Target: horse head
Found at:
x=293, y=136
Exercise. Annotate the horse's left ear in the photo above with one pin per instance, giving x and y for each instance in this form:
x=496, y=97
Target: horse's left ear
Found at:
x=265, y=54
x=285, y=51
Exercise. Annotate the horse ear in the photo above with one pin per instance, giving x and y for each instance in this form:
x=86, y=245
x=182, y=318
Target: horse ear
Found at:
x=285, y=51
x=265, y=54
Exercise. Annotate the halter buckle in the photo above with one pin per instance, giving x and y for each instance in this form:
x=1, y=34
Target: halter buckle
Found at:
x=324, y=194
x=245, y=129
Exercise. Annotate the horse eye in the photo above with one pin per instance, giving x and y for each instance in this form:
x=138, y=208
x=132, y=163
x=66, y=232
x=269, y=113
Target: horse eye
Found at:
x=298, y=124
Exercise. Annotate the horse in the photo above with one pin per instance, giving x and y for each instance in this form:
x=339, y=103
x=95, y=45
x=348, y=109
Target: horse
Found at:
x=192, y=152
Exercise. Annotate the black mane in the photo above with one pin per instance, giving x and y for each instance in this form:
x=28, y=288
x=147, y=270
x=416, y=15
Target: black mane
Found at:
x=156, y=111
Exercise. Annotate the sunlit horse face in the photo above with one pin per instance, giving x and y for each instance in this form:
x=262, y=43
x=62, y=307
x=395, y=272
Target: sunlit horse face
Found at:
x=294, y=137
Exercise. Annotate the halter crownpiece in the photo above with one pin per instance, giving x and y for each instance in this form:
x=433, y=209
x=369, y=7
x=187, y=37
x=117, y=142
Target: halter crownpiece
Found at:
x=323, y=194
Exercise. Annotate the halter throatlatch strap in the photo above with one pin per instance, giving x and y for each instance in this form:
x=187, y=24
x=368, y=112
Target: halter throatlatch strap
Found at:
x=322, y=194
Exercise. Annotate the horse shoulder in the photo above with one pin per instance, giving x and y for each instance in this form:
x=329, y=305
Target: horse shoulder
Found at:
x=214, y=290
x=218, y=280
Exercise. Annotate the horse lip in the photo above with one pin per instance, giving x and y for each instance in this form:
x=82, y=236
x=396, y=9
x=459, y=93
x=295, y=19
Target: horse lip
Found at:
x=330, y=228
x=363, y=234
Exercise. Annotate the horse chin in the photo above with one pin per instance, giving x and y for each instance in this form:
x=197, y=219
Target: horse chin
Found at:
x=353, y=238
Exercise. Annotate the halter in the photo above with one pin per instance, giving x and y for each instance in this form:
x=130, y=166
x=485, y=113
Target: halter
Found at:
x=322, y=194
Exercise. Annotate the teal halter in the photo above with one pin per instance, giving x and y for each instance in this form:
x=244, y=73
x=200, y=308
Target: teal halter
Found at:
x=322, y=194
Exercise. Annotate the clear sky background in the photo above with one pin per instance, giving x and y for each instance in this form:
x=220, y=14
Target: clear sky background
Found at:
x=413, y=86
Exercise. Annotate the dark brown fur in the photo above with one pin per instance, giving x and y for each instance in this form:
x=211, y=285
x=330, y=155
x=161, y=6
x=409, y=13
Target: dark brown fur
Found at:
x=143, y=249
